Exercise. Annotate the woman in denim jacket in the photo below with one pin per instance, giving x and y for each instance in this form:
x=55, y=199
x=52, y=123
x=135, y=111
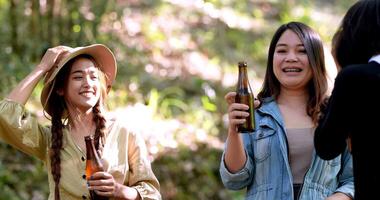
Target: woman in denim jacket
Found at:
x=277, y=161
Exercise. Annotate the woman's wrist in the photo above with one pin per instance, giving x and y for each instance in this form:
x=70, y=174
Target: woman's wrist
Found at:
x=125, y=192
x=41, y=69
x=39, y=72
x=232, y=130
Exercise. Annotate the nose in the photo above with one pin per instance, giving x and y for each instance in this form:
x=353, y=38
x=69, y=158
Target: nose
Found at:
x=86, y=81
x=291, y=57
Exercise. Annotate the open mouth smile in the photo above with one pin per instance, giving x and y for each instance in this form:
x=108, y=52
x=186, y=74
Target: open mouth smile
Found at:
x=291, y=69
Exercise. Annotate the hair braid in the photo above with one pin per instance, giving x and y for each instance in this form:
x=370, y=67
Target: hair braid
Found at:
x=56, y=146
x=100, y=121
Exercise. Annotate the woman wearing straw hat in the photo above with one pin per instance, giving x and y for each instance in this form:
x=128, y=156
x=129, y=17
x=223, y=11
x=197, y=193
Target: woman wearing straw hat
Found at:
x=76, y=82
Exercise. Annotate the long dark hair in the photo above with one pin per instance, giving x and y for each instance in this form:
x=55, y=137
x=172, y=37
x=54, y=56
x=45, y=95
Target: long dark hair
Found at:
x=59, y=112
x=317, y=87
x=358, y=37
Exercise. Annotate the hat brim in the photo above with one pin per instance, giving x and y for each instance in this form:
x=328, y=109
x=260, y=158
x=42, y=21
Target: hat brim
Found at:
x=102, y=55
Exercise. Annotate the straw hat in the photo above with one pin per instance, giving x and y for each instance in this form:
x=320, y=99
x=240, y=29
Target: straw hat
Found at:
x=101, y=54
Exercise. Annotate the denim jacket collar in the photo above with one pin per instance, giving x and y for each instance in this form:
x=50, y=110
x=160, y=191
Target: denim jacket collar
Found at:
x=269, y=106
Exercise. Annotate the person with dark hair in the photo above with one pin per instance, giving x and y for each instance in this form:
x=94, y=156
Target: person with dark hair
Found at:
x=277, y=161
x=357, y=51
x=76, y=83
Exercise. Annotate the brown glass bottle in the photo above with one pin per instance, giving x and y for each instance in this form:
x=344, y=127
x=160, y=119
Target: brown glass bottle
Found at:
x=93, y=164
x=244, y=95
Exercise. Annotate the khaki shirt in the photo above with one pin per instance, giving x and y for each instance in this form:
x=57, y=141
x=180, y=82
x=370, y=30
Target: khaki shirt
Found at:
x=124, y=151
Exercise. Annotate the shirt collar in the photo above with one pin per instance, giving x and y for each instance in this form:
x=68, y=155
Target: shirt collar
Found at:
x=375, y=58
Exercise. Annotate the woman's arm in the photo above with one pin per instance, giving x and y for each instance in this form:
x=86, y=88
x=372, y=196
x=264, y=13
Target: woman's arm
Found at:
x=18, y=127
x=236, y=166
x=234, y=156
x=24, y=89
x=338, y=196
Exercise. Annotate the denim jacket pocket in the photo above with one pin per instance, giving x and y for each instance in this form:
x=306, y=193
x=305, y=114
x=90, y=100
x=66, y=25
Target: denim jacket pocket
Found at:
x=260, y=191
x=261, y=144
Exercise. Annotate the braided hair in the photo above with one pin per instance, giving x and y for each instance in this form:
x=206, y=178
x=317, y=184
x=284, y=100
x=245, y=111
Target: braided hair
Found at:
x=58, y=115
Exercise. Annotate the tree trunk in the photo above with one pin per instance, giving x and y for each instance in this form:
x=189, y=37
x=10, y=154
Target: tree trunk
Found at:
x=14, y=24
x=50, y=22
x=35, y=29
x=98, y=9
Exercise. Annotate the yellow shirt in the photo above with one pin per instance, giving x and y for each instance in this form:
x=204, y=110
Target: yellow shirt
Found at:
x=124, y=151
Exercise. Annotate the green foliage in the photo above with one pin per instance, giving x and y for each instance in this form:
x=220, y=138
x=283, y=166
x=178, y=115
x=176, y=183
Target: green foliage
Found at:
x=189, y=174
x=21, y=177
x=173, y=56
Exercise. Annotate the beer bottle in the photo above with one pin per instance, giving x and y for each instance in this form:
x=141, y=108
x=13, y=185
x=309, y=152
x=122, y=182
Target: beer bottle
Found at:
x=93, y=164
x=244, y=95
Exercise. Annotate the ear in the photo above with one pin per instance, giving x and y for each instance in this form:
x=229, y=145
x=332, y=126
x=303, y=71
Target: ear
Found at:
x=60, y=92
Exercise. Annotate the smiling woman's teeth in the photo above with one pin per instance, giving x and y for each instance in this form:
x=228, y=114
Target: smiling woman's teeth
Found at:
x=292, y=70
x=86, y=93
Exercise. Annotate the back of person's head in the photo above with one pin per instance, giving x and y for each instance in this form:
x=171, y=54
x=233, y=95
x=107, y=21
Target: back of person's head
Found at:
x=358, y=37
x=313, y=45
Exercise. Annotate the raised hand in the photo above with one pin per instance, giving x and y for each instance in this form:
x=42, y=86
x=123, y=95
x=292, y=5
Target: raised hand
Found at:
x=52, y=57
x=236, y=111
x=23, y=90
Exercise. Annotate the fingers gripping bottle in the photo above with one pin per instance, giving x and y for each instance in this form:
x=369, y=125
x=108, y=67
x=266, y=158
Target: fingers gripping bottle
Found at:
x=93, y=164
x=244, y=95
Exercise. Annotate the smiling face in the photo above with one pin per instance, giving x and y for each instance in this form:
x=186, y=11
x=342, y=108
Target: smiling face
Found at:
x=83, y=88
x=291, y=63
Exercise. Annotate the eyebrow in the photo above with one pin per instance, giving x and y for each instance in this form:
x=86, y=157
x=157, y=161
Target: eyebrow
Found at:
x=77, y=71
x=81, y=71
x=285, y=45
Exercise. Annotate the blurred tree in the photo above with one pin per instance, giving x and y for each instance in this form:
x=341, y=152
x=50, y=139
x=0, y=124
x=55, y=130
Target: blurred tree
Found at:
x=177, y=59
x=13, y=24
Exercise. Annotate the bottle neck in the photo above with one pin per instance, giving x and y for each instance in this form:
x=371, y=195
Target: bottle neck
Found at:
x=90, y=146
x=243, y=83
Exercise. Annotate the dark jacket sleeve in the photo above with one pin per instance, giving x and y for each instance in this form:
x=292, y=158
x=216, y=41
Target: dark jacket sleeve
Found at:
x=332, y=131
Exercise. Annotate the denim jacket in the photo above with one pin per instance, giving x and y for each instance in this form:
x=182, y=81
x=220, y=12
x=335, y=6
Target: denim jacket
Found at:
x=267, y=174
